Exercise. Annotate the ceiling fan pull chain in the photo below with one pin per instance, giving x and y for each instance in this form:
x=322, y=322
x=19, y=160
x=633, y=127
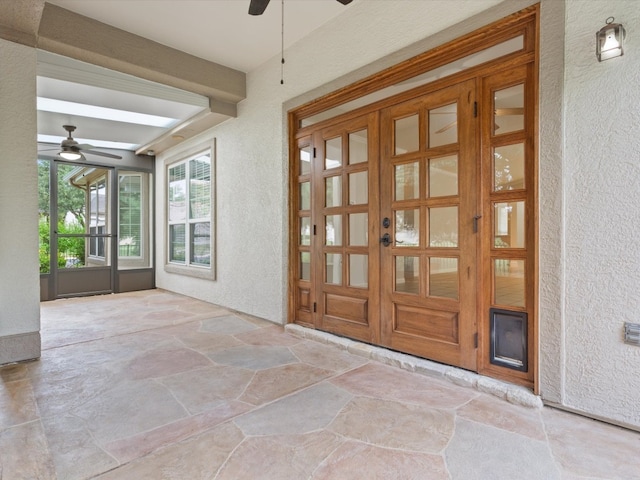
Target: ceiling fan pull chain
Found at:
x=282, y=47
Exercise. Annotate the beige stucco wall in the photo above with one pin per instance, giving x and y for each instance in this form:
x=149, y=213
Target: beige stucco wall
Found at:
x=602, y=199
x=19, y=276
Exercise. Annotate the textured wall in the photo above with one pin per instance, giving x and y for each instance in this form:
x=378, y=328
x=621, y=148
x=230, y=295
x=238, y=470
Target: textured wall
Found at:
x=602, y=194
x=19, y=282
x=252, y=159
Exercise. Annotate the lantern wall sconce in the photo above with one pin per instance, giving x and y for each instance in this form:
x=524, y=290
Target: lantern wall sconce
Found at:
x=609, y=40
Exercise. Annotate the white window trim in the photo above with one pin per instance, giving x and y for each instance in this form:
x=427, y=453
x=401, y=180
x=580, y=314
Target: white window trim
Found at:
x=198, y=271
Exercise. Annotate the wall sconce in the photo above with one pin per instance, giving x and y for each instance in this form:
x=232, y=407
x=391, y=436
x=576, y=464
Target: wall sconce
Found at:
x=609, y=40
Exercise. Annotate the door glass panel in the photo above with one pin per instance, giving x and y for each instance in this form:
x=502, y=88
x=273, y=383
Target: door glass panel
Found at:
x=407, y=274
x=358, y=150
x=333, y=230
x=44, y=228
x=305, y=231
x=407, y=135
x=508, y=167
x=358, y=188
x=508, y=110
x=358, y=229
x=333, y=153
x=333, y=191
x=359, y=271
x=333, y=268
x=509, y=225
x=443, y=125
x=305, y=195
x=443, y=227
x=509, y=282
x=305, y=266
x=443, y=277
x=407, y=181
x=407, y=232
x=304, y=160
x=443, y=176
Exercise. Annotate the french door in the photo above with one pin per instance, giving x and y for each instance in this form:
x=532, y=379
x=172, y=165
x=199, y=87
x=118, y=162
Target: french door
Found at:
x=388, y=227
x=430, y=223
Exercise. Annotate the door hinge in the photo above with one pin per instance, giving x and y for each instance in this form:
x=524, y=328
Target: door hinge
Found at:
x=475, y=109
x=314, y=229
x=314, y=152
x=315, y=307
x=475, y=338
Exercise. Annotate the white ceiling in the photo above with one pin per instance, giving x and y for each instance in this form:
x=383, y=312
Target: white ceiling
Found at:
x=220, y=31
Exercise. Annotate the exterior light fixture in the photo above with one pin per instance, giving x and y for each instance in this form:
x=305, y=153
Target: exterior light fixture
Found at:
x=609, y=40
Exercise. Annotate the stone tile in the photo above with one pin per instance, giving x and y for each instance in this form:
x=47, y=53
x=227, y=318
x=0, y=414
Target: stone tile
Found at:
x=356, y=461
x=74, y=453
x=391, y=383
x=271, y=335
x=197, y=458
x=480, y=452
x=500, y=414
x=129, y=409
x=326, y=356
x=14, y=371
x=303, y=412
x=227, y=325
x=391, y=424
x=254, y=357
x=206, y=388
x=161, y=362
x=268, y=385
x=205, y=342
x=585, y=447
x=279, y=457
x=24, y=454
x=17, y=403
x=137, y=446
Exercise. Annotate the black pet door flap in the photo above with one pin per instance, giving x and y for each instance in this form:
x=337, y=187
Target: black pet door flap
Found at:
x=509, y=339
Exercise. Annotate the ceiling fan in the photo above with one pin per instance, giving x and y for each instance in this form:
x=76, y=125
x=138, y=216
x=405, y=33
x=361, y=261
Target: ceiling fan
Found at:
x=72, y=150
x=257, y=7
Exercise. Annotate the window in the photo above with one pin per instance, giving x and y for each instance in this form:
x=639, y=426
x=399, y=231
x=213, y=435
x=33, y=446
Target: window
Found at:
x=130, y=213
x=189, y=212
x=97, y=217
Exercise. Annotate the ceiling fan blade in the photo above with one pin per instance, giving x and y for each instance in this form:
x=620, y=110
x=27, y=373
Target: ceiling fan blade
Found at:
x=101, y=154
x=509, y=111
x=257, y=7
x=345, y=2
x=447, y=127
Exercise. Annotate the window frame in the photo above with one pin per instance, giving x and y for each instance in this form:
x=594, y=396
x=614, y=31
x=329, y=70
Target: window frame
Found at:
x=189, y=267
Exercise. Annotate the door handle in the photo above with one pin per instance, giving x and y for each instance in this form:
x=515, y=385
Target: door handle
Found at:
x=385, y=240
x=475, y=223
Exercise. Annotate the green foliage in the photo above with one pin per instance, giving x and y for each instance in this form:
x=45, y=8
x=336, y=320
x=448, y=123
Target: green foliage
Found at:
x=69, y=248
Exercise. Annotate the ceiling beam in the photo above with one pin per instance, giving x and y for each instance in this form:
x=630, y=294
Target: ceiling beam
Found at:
x=49, y=27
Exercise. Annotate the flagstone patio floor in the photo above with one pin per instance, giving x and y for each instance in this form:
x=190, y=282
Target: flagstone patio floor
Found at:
x=156, y=385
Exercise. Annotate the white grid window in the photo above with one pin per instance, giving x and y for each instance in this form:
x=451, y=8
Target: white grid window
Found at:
x=189, y=197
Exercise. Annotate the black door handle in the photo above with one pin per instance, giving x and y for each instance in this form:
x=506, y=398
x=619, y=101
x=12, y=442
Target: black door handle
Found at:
x=385, y=240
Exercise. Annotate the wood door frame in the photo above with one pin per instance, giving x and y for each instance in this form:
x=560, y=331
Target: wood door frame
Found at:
x=524, y=23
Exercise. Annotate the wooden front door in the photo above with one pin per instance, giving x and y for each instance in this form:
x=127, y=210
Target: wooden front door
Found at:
x=429, y=223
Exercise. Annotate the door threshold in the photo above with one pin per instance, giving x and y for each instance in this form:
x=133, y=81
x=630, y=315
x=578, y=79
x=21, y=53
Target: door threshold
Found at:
x=512, y=393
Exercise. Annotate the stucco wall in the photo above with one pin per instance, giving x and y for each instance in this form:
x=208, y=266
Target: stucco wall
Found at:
x=19, y=277
x=589, y=172
x=602, y=198
x=251, y=149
